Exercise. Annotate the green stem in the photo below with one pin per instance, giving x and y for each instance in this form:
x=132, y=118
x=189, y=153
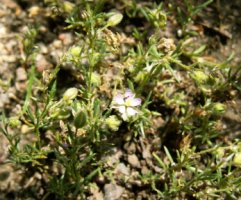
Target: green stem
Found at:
x=179, y=63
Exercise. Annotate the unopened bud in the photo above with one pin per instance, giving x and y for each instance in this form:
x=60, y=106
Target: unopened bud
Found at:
x=75, y=51
x=218, y=108
x=68, y=6
x=14, y=122
x=140, y=76
x=70, y=94
x=200, y=76
x=115, y=19
x=113, y=123
x=237, y=159
x=27, y=43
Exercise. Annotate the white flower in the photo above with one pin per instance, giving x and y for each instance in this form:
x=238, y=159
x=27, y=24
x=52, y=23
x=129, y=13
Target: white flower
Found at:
x=126, y=104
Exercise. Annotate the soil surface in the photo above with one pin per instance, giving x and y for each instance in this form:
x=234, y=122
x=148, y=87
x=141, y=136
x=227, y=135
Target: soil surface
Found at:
x=219, y=28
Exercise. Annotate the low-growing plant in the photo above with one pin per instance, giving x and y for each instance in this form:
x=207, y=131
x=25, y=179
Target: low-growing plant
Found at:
x=123, y=83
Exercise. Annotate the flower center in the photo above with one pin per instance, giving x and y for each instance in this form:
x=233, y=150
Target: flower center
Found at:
x=128, y=102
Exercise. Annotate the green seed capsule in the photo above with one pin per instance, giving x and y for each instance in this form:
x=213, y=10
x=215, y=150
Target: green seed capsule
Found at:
x=80, y=120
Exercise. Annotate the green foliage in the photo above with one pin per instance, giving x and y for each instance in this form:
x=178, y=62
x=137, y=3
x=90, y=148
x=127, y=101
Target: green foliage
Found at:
x=73, y=127
x=190, y=9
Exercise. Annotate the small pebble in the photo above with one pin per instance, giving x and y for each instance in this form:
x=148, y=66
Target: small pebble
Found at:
x=113, y=191
x=130, y=147
x=21, y=74
x=145, y=170
x=146, y=152
x=4, y=99
x=41, y=63
x=121, y=168
x=133, y=161
x=66, y=38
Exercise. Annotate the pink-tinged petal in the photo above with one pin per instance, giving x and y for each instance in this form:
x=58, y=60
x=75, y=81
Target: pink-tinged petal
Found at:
x=129, y=93
x=119, y=99
x=131, y=111
x=135, y=102
x=122, y=109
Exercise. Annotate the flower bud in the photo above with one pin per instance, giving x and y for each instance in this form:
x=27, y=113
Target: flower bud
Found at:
x=75, y=51
x=68, y=6
x=14, y=122
x=27, y=43
x=200, y=76
x=237, y=159
x=113, y=123
x=218, y=108
x=140, y=76
x=115, y=19
x=70, y=94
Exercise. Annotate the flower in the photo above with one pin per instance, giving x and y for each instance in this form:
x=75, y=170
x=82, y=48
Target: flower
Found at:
x=125, y=104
